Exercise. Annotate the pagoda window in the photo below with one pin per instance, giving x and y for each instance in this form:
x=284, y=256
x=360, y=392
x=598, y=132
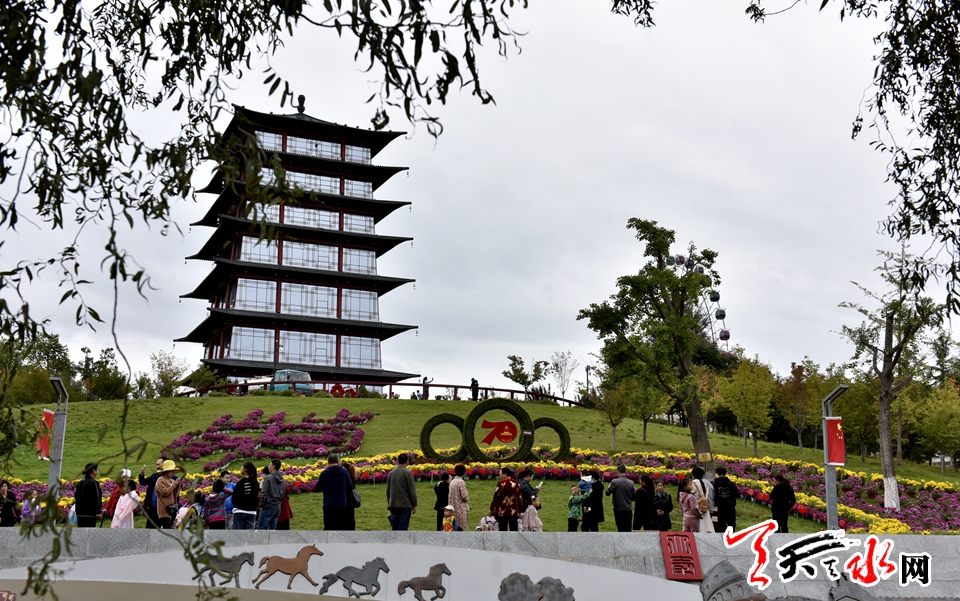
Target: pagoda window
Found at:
x=358, y=223
x=268, y=177
x=258, y=251
x=308, y=347
x=359, y=352
x=313, y=182
x=313, y=148
x=270, y=141
x=356, y=260
x=360, y=304
x=271, y=213
x=357, y=154
x=311, y=256
x=256, y=295
x=353, y=187
x=317, y=218
x=304, y=299
x=254, y=344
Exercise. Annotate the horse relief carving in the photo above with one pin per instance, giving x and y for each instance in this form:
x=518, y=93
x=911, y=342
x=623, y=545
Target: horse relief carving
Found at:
x=287, y=565
x=367, y=577
x=228, y=566
x=430, y=582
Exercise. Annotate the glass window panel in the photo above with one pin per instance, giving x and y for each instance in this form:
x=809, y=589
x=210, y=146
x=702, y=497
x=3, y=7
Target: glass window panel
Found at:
x=312, y=256
x=314, y=182
x=267, y=176
x=360, y=304
x=313, y=148
x=254, y=344
x=357, y=154
x=358, y=223
x=270, y=212
x=256, y=295
x=356, y=260
x=359, y=352
x=308, y=348
x=304, y=299
x=258, y=251
x=270, y=141
x=352, y=187
x=312, y=218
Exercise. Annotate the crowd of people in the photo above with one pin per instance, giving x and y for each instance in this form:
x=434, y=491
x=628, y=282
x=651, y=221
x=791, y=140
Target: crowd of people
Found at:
x=264, y=504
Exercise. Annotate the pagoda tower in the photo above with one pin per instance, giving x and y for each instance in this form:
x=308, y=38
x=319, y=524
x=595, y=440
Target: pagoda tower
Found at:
x=306, y=296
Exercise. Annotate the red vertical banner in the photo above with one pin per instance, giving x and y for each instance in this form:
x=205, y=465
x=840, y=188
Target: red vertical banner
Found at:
x=833, y=438
x=43, y=441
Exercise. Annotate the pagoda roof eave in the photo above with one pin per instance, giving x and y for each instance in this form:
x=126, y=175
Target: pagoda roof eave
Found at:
x=377, y=140
x=318, y=372
x=221, y=318
x=226, y=269
x=229, y=198
x=231, y=226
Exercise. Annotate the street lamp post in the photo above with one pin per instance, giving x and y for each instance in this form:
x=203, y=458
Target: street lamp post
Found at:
x=588, y=380
x=59, y=431
x=830, y=471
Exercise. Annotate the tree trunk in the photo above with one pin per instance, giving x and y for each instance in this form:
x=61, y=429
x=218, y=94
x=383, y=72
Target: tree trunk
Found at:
x=698, y=434
x=645, y=422
x=754, y=436
x=891, y=494
x=863, y=452
x=942, y=469
x=613, y=440
x=799, y=438
x=745, y=434
x=899, y=432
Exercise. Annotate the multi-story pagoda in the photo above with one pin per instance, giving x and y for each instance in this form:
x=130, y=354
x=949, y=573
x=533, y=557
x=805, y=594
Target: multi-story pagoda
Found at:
x=307, y=296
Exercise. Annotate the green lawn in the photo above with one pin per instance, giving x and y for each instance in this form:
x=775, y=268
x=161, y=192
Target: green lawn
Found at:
x=93, y=435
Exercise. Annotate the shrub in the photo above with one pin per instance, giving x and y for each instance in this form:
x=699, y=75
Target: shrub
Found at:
x=217, y=393
x=260, y=392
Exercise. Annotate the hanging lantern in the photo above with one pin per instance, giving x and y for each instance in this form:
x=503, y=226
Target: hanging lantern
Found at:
x=680, y=259
x=724, y=335
x=721, y=314
x=690, y=263
x=714, y=296
x=698, y=268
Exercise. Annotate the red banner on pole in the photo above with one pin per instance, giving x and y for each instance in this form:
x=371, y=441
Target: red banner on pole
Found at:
x=43, y=441
x=833, y=438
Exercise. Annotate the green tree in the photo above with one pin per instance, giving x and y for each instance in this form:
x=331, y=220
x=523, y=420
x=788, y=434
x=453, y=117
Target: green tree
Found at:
x=142, y=387
x=561, y=367
x=101, y=378
x=941, y=421
x=519, y=374
x=749, y=393
x=615, y=403
x=168, y=372
x=652, y=320
x=887, y=339
x=648, y=402
x=796, y=400
x=203, y=377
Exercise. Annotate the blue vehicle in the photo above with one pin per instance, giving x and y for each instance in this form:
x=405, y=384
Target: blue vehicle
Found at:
x=285, y=379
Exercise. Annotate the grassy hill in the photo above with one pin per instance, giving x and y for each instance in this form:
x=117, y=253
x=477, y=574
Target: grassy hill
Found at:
x=93, y=434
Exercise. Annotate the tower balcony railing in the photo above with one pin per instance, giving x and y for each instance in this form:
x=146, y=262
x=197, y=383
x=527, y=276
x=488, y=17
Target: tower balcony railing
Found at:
x=451, y=392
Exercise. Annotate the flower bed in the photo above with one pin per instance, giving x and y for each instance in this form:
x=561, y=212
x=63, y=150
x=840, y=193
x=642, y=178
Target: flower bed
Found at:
x=311, y=437
x=933, y=508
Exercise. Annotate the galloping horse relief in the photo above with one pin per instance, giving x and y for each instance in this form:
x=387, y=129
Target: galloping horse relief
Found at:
x=292, y=566
x=228, y=566
x=431, y=582
x=367, y=577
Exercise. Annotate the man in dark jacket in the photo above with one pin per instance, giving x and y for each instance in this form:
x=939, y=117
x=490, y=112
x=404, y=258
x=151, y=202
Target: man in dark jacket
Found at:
x=782, y=500
x=150, y=500
x=245, y=497
x=442, y=490
x=89, y=498
x=622, y=491
x=335, y=484
x=271, y=497
x=527, y=490
x=725, y=497
x=401, y=494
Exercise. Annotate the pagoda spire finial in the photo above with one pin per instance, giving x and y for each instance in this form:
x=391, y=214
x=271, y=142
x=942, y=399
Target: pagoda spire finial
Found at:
x=301, y=107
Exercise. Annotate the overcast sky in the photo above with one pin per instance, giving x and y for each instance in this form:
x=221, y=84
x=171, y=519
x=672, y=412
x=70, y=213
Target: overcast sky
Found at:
x=734, y=134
